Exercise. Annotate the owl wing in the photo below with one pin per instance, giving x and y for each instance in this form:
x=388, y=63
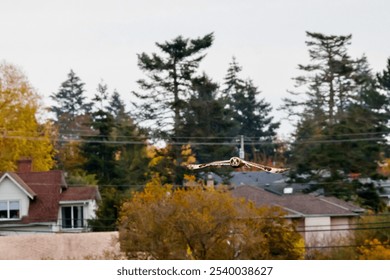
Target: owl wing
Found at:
x=265, y=168
x=203, y=165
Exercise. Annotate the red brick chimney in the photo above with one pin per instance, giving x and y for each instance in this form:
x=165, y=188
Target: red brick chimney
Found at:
x=24, y=165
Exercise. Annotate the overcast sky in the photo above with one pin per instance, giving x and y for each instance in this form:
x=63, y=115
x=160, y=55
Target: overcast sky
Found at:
x=100, y=40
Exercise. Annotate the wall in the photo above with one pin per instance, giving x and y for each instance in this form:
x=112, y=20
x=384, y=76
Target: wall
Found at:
x=63, y=246
x=340, y=227
x=9, y=191
x=317, y=231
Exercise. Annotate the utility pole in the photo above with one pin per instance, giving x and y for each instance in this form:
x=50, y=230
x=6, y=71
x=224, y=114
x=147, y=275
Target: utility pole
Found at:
x=241, y=151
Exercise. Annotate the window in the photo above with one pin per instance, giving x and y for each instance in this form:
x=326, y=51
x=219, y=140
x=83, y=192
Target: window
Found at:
x=72, y=216
x=9, y=209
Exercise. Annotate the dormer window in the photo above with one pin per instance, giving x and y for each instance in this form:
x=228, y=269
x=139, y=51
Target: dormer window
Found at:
x=72, y=216
x=9, y=209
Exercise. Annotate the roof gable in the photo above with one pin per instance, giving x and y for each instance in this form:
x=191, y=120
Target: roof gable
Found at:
x=18, y=182
x=46, y=190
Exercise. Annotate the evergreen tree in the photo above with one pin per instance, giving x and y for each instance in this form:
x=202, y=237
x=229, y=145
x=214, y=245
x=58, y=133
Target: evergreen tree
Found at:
x=98, y=150
x=116, y=107
x=71, y=105
x=233, y=83
x=72, y=116
x=115, y=154
x=131, y=158
x=169, y=79
x=166, y=90
x=207, y=119
x=251, y=113
x=328, y=85
x=341, y=126
x=384, y=86
x=384, y=78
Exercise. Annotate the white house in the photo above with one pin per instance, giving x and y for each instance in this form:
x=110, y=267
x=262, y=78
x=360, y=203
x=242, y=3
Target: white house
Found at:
x=32, y=202
x=321, y=220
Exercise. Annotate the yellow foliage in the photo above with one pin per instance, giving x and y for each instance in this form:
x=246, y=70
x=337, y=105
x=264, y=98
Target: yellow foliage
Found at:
x=166, y=162
x=374, y=250
x=20, y=133
x=156, y=155
x=189, y=178
x=203, y=223
x=151, y=151
x=187, y=154
x=384, y=167
x=70, y=155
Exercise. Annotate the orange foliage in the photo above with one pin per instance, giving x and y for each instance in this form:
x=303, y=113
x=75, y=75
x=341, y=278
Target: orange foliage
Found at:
x=374, y=250
x=203, y=223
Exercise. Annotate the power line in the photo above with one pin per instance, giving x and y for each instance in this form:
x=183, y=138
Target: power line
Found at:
x=343, y=246
x=91, y=133
x=193, y=143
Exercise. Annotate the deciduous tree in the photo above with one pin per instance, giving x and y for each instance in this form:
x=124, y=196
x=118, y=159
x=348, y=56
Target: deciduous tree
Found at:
x=203, y=223
x=21, y=135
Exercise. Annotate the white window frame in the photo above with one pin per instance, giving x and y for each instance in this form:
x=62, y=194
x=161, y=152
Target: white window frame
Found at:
x=72, y=217
x=8, y=215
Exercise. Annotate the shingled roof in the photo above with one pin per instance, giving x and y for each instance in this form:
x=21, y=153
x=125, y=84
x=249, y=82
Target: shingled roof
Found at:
x=298, y=205
x=47, y=186
x=76, y=193
x=46, y=190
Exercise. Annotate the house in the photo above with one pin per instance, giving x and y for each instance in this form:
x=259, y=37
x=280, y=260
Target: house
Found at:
x=382, y=187
x=273, y=181
x=320, y=220
x=252, y=178
x=42, y=202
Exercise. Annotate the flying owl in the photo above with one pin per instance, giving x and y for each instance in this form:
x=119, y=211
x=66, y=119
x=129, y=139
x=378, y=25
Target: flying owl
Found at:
x=236, y=162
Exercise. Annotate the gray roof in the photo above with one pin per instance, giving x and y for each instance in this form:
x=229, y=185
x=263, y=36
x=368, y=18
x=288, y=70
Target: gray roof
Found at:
x=254, y=178
x=298, y=205
x=273, y=182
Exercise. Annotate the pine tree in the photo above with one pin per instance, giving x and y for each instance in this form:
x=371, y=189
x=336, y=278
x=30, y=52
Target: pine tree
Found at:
x=165, y=91
x=233, y=83
x=131, y=159
x=71, y=105
x=206, y=119
x=99, y=153
x=384, y=86
x=251, y=113
x=98, y=150
x=341, y=126
x=116, y=106
x=72, y=115
x=384, y=78
x=115, y=154
x=328, y=85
